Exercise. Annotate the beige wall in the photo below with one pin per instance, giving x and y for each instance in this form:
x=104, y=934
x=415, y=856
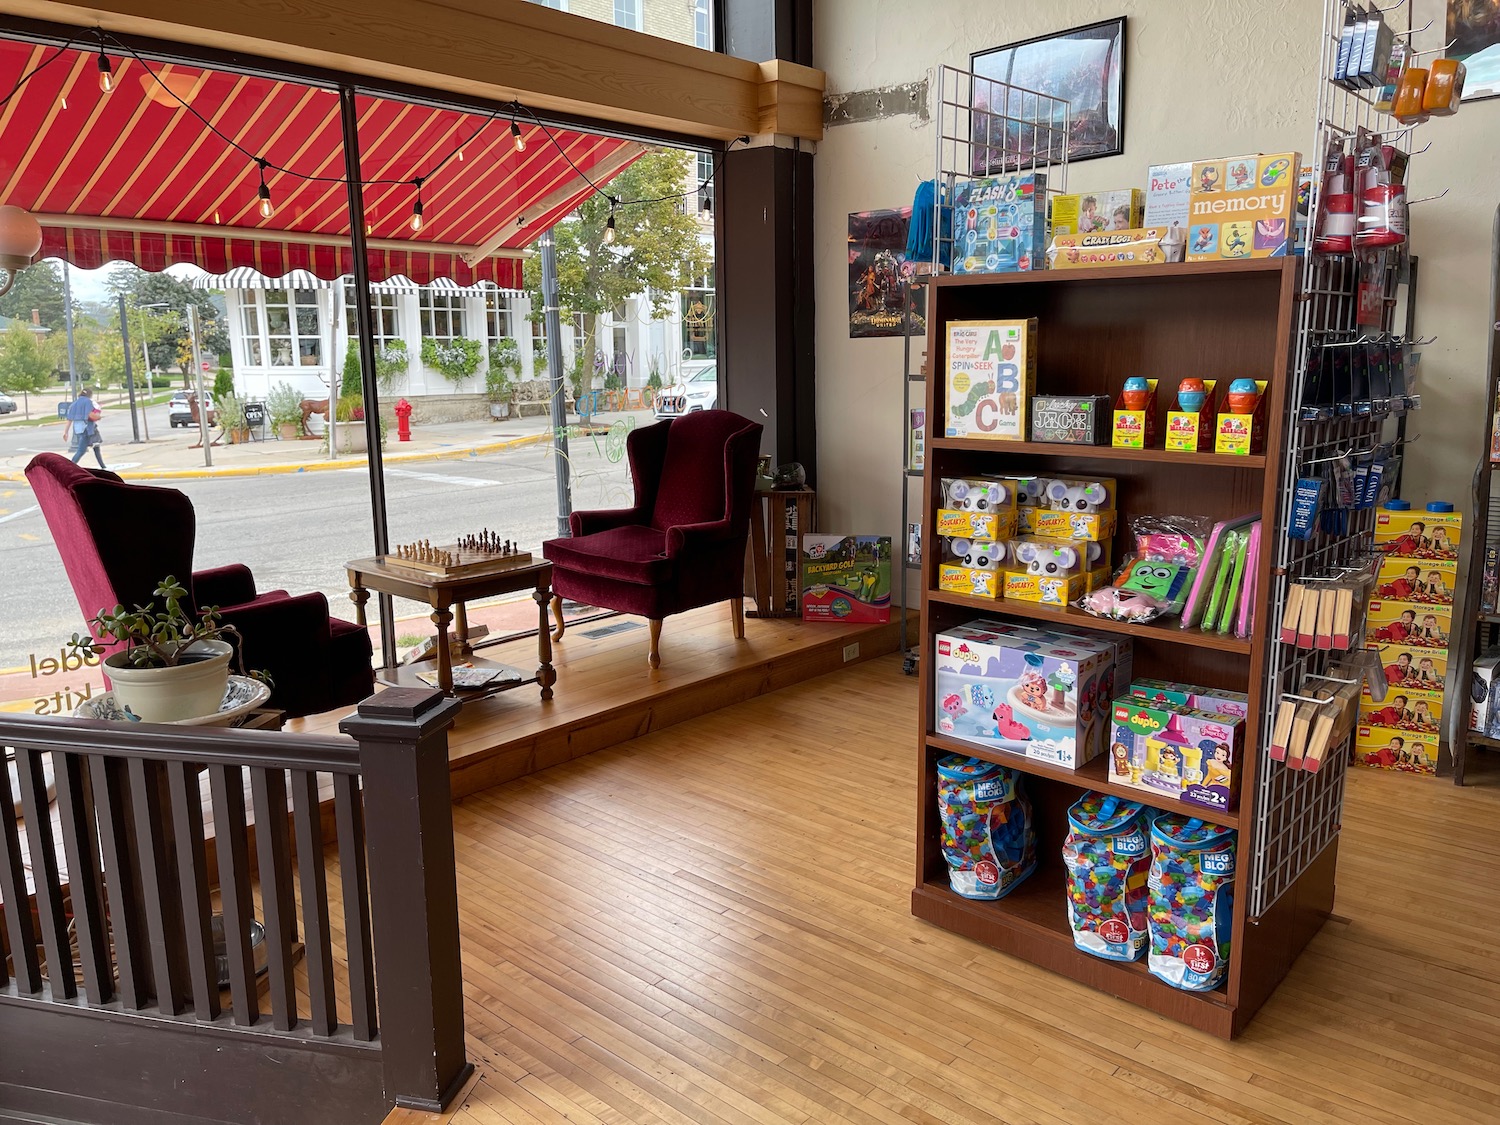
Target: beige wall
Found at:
x=1202, y=79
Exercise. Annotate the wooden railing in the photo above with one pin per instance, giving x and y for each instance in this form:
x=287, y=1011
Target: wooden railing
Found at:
x=128, y=878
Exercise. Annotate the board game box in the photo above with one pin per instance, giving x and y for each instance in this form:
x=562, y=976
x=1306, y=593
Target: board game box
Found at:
x=1242, y=207
x=846, y=578
x=991, y=376
x=999, y=223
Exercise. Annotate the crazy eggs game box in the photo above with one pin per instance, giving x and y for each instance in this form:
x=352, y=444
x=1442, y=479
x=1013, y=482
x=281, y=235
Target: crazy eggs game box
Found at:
x=846, y=578
x=1029, y=693
x=1000, y=223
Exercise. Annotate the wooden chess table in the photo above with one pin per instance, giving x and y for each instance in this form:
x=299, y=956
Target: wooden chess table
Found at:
x=445, y=578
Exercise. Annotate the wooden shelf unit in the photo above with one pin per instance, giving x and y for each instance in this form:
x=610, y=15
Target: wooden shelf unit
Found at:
x=1097, y=328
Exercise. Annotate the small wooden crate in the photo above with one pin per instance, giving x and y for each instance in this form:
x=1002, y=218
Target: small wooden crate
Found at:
x=778, y=521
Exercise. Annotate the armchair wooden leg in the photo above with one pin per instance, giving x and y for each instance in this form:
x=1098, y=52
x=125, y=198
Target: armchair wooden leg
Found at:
x=737, y=617
x=557, y=614
x=653, y=657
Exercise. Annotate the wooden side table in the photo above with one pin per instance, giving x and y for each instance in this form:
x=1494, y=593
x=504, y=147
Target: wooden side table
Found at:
x=446, y=596
x=778, y=521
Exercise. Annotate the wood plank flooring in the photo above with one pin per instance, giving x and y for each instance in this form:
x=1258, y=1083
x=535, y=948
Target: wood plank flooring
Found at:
x=710, y=925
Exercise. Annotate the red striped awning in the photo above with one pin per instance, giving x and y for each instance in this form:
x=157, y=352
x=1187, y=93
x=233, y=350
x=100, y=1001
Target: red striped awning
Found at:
x=135, y=176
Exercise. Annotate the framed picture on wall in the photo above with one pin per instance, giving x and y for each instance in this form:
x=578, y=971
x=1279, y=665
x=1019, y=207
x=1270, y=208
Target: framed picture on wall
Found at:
x=1084, y=66
x=1474, y=35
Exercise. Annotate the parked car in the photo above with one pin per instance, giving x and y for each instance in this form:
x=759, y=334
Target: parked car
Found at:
x=182, y=410
x=7, y=404
x=697, y=390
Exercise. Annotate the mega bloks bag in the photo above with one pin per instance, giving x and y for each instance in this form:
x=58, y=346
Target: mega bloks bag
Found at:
x=1106, y=858
x=1191, y=901
x=988, y=839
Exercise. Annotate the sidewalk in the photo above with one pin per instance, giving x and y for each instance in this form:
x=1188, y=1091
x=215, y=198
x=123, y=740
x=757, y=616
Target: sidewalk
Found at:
x=172, y=456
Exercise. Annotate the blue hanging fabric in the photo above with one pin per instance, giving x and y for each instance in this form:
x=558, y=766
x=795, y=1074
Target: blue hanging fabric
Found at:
x=919, y=232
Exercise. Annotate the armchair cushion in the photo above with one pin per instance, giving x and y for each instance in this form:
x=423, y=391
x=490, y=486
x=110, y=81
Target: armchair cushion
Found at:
x=626, y=554
x=223, y=586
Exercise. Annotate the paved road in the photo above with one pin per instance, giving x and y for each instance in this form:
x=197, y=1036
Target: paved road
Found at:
x=296, y=530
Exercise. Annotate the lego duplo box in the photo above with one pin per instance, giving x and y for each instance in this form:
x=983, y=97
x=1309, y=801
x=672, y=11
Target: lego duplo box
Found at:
x=1213, y=701
x=990, y=376
x=1421, y=581
x=1404, y=709
x=1392, y=622
x=1401, y=750
x=1177, y=752
x=1031, y=694
x=1406, y=533
x=999, y=223
x=1087, y=212
x=1242, y=207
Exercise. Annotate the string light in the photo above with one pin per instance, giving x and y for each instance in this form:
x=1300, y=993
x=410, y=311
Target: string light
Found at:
x=707, y=206
x=609, y=227
x=515, y=137
x=263, y=192
x=106, y=72
x=416, y=208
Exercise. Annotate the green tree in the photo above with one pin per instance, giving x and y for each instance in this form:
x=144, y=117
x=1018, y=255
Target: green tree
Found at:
x=658, y=246
x=170, y=344
x=38, y=287
x=24, y=366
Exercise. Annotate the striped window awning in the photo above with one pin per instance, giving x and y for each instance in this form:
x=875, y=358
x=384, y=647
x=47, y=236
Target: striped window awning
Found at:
x=445, y=285
x=138, y=176
x=246, y=278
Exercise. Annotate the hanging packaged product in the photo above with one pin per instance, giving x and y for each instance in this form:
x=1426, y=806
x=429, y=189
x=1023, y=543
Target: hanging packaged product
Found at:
x=1106, y=857
x=1191, y=902
x=988, y=840
x=1336, y=230
x=1382, y=220
x=1445, y=87
x=1406, y=107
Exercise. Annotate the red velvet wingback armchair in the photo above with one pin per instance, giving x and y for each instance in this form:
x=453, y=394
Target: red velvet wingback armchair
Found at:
x=683, y=543
x=119, y=540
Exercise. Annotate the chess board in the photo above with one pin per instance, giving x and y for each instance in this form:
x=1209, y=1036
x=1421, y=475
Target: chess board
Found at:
x=466, y=562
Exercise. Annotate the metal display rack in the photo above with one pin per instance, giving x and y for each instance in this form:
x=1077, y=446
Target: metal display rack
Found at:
x=1482, y=630
x=982, y=127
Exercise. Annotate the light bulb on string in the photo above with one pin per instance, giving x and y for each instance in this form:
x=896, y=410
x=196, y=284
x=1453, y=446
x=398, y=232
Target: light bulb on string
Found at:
x=609, y=227
x=516, y=139
x=106, y=73
x=416, y=208
x=708, y=205
x=263, y=192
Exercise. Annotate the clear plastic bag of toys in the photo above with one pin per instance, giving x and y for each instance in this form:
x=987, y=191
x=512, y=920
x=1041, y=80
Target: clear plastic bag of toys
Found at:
x=988, y=839
x=1106, y=859
x=1190, y=902
x=1155, y=578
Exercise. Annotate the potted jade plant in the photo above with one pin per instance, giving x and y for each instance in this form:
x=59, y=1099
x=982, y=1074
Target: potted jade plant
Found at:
x=175, y=663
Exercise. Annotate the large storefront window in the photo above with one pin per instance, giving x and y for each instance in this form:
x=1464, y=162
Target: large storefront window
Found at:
x=281, y=328
x=499, y=317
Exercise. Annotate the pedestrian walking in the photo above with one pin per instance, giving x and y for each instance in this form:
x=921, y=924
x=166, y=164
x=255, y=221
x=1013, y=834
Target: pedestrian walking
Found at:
x=82, y=430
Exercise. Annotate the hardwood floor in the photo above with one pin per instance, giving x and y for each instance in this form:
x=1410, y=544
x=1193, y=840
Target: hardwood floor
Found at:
x=710, y=924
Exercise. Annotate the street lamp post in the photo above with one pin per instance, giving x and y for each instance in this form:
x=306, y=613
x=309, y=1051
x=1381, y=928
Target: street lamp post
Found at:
x=135, y=428
x=208, y=457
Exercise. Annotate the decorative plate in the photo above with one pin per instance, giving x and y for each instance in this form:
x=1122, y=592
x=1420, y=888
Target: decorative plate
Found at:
x=242, y=696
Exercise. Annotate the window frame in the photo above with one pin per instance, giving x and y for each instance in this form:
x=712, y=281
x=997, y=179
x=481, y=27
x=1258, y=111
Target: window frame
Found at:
x=381, y=304
x=452, y=309
x=256, y=341
x=636, y=8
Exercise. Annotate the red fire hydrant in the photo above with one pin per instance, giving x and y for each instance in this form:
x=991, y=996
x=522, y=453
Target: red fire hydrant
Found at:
x=403, y=420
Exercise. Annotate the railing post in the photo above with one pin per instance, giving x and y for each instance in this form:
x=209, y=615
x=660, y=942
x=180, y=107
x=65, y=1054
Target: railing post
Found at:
x=403, y=755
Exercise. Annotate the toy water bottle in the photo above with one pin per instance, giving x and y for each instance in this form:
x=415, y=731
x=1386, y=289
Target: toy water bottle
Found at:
x=1106, y=858
x=1190, y=902
x=988, y=840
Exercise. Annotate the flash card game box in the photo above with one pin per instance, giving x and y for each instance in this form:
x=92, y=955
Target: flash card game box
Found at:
x=1000, y=223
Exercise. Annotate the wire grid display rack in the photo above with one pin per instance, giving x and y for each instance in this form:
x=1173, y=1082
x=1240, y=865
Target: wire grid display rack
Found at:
x=982, y=128
x=989, y=128
x=1297, y=813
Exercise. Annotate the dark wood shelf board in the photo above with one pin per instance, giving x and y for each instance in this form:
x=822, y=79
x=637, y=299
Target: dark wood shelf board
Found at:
x=1168, y=632
x=1170, y=271
x=1032, y=923
x=1093, y=775
x=1097, y=453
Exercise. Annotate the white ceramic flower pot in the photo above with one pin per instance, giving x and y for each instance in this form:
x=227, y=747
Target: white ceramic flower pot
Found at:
x=164, y=695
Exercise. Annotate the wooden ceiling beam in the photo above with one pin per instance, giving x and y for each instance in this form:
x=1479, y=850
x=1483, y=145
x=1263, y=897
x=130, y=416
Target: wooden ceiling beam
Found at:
x=502, y=50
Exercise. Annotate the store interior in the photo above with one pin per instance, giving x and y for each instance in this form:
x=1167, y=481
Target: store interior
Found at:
x=1056, y=677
